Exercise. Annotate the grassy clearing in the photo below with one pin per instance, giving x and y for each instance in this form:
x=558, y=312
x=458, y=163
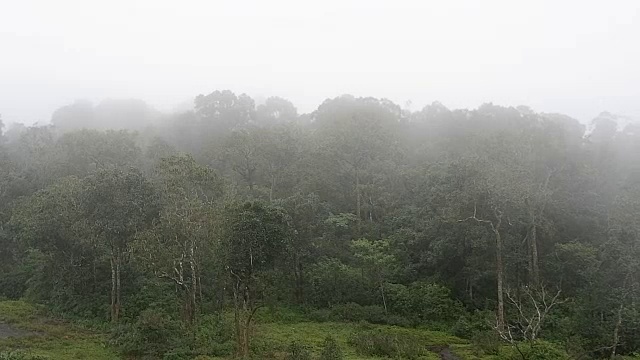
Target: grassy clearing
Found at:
x=51, y=339
x=273, y=339
x=57, y=340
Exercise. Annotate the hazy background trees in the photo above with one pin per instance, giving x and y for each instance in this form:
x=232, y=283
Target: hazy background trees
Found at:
x=417, y=217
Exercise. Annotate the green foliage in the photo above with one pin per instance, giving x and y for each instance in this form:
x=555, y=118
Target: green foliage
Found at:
x=426, y=302
x=541, y=350
x=20, y=355
x=297, y=351
x=331, y=350
x=152, y=334
x=213, y=336
x=470, y=324
x=487, y=341
x=333, y=282
x=384, y=344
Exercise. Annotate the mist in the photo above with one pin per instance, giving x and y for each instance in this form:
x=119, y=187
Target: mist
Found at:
x=577, y=57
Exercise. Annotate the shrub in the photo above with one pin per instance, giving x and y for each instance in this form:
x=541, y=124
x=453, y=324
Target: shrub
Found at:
x=353, y=312
x=383, y=344
x=425, y=302
x=487, y=341
x=332, y=282
x=469, y=324
x=331, y=350
x=213, y=336
x=153, y=334
x=320, y=315
x=19, y=355
x=541, y=350
x=298, y=351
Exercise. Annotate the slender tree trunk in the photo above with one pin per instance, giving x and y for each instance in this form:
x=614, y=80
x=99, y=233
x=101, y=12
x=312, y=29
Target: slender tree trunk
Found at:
x=118, y=289
x=237, y=310
x=499, y=274
x=193, y=289
x=271, y=189
x=384, y=298
x=616, y=333
x=299, y=279
x=113, y=290
x=358, y=199
x=535, y=268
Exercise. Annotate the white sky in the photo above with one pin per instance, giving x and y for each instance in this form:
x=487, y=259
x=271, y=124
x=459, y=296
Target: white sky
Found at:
x=577, y=57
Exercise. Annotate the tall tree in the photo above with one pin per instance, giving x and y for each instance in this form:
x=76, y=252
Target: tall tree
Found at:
x=183, y=235
x=255, y=237
x=118, y=204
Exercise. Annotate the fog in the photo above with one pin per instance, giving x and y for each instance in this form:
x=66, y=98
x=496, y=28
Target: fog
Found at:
x=572, y=57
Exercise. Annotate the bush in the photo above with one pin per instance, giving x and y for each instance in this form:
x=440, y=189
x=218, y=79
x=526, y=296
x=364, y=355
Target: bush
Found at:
x=487, y=341
x=382, y=344
x=213, y=336
x=279, y=314
x=153, y=334
x=470, y=324
x=331, y=350
x=541, y=350
x=298, y=351
x=425, y=302
x=332, y=282
x=320, y=315
x=353, y=312
x=19, y=355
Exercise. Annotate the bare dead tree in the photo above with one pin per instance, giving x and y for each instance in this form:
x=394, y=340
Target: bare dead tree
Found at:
x=531, y=308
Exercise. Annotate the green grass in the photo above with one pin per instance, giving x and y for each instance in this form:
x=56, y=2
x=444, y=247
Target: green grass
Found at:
x=273, y=339
x=59, y=340
x=52, y=339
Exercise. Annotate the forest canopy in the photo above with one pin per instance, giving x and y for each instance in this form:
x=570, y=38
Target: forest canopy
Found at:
x=496, y=220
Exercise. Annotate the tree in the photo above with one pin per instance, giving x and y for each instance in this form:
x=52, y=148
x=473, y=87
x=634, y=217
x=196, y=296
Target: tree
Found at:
x=254, y=238
x=50, y=225
x=279, y=150
x=118, y=204
x=356, y=132
x=183, y=235
x=307, y=216
x=378, y=261
x=224, y=110
x=241, y=153
x=276, y=110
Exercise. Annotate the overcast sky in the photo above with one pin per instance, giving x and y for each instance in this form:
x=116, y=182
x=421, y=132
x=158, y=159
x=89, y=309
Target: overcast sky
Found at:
x=577, y=57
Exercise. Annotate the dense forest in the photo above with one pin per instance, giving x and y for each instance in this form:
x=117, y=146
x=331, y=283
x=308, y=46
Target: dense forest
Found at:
x=181, y=233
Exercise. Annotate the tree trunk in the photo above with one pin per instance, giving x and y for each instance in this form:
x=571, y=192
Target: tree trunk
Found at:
x=616, y=334
x=243, y=314
x=299, y=279
x=113, y=291
x=535, y=268
x=358, y=200
x=118, y=290
x=193, y=289
x=271, y=189
x=384, y=298
x=238, y=326
x=499, y=274
x=358, y=204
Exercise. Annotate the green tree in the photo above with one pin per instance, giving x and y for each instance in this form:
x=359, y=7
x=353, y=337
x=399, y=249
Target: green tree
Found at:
x=254, y=238
x=118, y=204
x=183, y=235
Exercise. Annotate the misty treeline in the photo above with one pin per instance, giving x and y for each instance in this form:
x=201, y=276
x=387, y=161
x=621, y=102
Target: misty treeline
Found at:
x=501, y=220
